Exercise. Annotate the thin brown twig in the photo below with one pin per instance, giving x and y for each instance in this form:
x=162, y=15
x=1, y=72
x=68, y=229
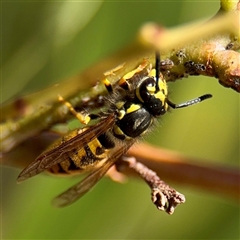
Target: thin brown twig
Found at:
x=174, y=166
x=164, y=197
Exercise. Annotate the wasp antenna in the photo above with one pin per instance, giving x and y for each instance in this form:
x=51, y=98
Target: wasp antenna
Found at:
x=157, y=67
x=190, y=102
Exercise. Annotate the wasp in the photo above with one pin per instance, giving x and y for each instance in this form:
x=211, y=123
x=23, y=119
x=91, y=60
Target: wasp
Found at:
x=133, y=103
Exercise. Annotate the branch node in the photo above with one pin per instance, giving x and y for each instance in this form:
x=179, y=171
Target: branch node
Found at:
x=164, y=197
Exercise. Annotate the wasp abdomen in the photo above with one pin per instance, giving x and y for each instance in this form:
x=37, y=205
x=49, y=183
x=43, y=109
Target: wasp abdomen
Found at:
x=82, y=159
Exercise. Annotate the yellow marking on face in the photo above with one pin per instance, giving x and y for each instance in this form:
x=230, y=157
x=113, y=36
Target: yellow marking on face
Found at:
x=160, y=96
x=163, y=86
x=151, y=89
x=152, y=73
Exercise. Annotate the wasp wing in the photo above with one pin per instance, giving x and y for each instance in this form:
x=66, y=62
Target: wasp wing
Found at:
x=53, y=156
x=78, y=190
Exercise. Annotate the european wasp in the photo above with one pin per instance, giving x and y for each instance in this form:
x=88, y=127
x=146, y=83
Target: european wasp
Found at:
x=134, y=103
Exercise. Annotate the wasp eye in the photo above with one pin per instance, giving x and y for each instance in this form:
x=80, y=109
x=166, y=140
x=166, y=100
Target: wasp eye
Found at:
x=142, y=92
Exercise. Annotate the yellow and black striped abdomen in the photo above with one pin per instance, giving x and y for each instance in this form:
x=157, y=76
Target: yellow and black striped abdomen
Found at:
x=85, y=158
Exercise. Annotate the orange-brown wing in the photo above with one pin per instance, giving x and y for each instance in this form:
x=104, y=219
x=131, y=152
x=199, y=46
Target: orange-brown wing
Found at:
x=54, y=156
x=78, y=190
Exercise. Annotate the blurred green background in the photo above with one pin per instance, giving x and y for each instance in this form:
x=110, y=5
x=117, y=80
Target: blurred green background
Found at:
x=44, y=42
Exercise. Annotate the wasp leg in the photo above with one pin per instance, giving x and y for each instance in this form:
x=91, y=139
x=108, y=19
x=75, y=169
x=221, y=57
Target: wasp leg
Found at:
x=83, y=118
x=163, y=196
x=108, y=85
x=123, y=82
x=112, y=72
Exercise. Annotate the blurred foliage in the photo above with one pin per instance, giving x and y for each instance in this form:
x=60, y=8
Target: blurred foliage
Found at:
x=44, y=42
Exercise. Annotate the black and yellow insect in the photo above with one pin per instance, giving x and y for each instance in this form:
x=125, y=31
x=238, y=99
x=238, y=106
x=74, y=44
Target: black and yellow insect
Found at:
x=133, y=104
